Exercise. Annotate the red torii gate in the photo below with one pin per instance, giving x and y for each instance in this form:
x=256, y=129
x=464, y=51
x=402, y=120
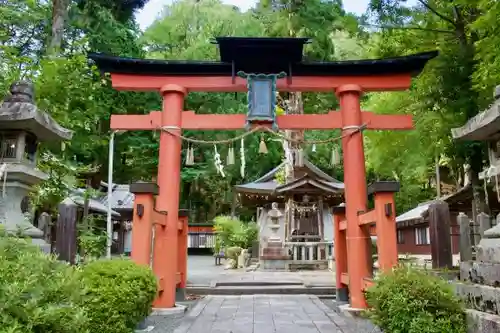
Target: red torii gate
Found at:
x=348, y=79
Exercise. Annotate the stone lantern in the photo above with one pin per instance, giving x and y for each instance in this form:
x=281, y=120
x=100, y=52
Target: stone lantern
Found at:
x=274, y=215
x=274, y=256
x=22, y=127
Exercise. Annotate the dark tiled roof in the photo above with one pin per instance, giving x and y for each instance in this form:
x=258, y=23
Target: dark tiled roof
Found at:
x=121, y=198
x=237, y=53
x=268, y=185
x=95, y=205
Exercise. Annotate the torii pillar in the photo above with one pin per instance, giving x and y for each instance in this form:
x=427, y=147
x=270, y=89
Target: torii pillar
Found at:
x=358, y=260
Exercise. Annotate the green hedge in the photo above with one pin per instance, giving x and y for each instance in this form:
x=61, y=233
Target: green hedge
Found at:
x=118, y=294
x=408, y=300
x=39, y=294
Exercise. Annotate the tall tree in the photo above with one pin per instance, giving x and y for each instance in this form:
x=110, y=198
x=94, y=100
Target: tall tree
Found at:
x=446, y=89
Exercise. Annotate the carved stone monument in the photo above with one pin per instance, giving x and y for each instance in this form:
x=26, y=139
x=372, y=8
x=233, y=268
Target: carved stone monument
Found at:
x=274, y=255
x=22, y=127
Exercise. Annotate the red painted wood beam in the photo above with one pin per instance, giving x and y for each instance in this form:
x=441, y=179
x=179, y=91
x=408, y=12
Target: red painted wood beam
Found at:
x=225, y=83
x=193, y=121
x=367, y=218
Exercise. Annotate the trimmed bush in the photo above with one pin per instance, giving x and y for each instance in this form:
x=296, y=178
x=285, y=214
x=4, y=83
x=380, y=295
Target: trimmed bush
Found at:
x=230, y=232
x=38, y=293
x=118, y=294
x=408, y=300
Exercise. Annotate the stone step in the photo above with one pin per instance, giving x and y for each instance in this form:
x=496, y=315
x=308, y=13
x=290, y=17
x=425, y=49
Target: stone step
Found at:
x=480, y=297
x=257, y=283
x=262, y=290
x=481, y=322
x=480, y=272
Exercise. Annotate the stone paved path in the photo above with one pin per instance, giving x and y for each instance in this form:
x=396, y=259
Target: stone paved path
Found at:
x=263, y=314
x=202, y=271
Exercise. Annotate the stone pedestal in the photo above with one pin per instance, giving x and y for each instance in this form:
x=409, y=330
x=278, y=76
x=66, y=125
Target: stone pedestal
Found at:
x=274, y=257
x=20, y=179
x=481, y=290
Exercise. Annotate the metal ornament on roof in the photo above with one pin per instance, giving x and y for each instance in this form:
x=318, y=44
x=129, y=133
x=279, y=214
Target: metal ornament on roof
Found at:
x=261, y=97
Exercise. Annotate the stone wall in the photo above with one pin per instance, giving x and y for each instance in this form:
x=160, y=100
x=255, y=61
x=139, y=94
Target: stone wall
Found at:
x=480, y=282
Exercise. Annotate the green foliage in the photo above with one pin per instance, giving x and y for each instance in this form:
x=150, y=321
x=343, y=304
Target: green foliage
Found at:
x=487, y=74
x=231, y=232
x=280, y=176
x=38, y=293
x=444, y=96
x=59, y=183
x=408, y=300
x=118, y=294
x=92, y=240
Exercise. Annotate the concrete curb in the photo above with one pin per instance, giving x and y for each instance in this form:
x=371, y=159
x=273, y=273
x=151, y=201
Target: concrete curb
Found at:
x=179, y=308
x=347, y=310
x=262, y=290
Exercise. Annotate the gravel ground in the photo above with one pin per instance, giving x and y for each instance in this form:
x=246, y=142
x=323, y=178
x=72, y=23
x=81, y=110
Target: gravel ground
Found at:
x=361, y=325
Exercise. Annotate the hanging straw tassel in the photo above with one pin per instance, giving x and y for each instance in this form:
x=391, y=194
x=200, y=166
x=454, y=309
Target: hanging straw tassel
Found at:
x=262, y=146
x=188, y=152
x=230, y=156
x=335, y=159
x=242, y=158
x=190, y=155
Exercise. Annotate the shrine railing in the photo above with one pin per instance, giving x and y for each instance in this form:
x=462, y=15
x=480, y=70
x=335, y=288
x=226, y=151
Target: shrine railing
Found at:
x=310, y=251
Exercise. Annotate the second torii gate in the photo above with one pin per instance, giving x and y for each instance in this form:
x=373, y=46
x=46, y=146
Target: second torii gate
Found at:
x=270, y=59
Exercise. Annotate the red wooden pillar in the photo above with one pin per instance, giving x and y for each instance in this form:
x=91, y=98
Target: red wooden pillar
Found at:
x=358, y=238
x=169, y=169
x=340, y=247
x=142, y=222
x=182, y=254
x=385, y=211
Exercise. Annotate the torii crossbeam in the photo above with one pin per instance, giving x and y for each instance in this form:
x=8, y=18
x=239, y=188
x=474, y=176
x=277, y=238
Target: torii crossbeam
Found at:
x=174, y=80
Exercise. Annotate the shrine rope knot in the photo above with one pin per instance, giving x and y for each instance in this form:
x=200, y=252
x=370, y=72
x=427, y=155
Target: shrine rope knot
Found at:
x=176, y=131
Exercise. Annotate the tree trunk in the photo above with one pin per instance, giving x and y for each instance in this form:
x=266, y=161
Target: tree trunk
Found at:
x=475, y=157
x=59, y=15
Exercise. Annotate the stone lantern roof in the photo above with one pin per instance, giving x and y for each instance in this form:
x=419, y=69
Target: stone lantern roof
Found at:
x=484, y=126
x=19, y=112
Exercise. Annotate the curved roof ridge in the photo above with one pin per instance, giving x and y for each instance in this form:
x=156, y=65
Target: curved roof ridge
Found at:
x=308, y=164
